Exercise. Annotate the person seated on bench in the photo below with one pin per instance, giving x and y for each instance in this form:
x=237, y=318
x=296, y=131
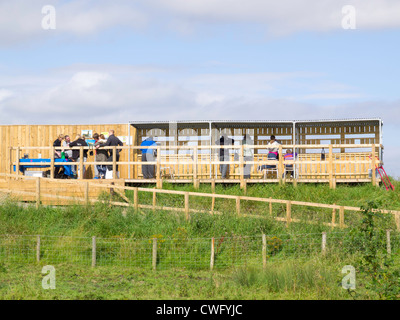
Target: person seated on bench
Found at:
x=288, y=157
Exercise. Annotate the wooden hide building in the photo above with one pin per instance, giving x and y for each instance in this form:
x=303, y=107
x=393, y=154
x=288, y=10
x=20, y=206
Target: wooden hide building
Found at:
x=187, y=150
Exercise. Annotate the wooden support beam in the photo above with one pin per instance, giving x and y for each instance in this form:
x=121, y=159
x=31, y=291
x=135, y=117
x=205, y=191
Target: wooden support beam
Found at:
x=81, y=176
x=330, y=166
x=212, y=254
x=154, y=254
x=373, y=165
x=114, y=163
x=341, y=217
x=280, y=165
x=37, y=193
x=136, y=198
x=195, y=164
x=238, y=205
x=158, y=169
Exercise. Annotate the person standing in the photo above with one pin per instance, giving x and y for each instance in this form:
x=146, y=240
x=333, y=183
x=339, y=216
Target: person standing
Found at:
x=224, y=154
x=274, y=142
x=148, y=154
x=57, y=154
x=112, y=141
x=248, y=155
x=101, y=155
x=79, y=142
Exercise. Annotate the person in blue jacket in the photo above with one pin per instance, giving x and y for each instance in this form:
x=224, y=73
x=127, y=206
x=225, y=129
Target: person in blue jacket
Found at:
x=148, y=154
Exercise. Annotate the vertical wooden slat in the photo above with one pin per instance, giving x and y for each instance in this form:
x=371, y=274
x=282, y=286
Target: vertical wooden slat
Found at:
x=93, y=251
x=288, y=213
x=154, y=254
x=264, y=251
x=212, y=254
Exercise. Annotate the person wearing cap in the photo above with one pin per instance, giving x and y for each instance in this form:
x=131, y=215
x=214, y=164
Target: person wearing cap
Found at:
x=148, y=154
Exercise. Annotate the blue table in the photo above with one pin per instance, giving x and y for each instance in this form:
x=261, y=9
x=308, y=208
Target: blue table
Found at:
x=22, y=167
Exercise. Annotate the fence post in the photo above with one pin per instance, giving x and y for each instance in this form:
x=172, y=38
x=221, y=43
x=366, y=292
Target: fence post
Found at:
x=114, y=165
x=86, y=193
x=388, y=245
x=37, y=192
x=93, y=251
x=17, y=162
x=212, y=185
x=195, y=177
x=333, y=216
x=280, y=166
x=158, y=169
x=154, y=254
x=330, y=167
x=241, y=166
x=341, y=217
x=212, y=254
x=288, y=213
x=187, y=205
x=264, y=251
x=136, y=198
x=81, y=163
x=238, y=205
x=373, y=165
x=52, y=163
x=212, y=204
x=270, y=206
x=323, y=242
x=154, y=200
x=38, y=249
x=397, y=221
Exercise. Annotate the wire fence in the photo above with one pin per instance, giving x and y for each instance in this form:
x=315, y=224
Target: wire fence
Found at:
x=181, y=252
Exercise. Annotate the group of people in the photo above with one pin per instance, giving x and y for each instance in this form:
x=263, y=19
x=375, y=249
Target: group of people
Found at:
x=149, y=154
x=101, y=155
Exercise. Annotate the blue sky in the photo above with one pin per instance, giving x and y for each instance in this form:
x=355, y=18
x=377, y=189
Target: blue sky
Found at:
x=223, y=59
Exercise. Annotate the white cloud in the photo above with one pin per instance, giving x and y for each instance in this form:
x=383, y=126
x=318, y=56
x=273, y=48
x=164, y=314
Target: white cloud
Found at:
x=20, y=20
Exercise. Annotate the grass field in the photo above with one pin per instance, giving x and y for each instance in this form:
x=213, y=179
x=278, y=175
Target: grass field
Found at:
x=297, y=272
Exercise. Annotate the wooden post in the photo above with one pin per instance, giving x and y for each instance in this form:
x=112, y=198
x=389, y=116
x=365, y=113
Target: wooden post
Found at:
x=38, y=248
x=81, y=163
x=114, y=164
x=373, y=165
x=388, y=245
x=264, y=251
x=270, y=206
x=52, y=163
x=288, y=213
x=195, y=177
x=10, y=163
x=136, y=198
x=330, y=166
x=93, y=251
x=212, y=204
x=241, y=166
x=280, y=166
x=17, y=161
x=333, y=216
x=341, y=217
x=323, y=242
x=238, y=205
x=212, y=254
x=397, y=221
x=154, y=199
x=212, y=185
x=37, y=193
x=154, y=254
x=86, y=193
x=158, y=169
x=187, y=205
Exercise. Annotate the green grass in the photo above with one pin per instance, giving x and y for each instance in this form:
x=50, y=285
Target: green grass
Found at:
x=296, y=270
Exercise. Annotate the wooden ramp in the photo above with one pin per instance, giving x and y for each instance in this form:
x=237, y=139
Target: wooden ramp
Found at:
x=55, y=191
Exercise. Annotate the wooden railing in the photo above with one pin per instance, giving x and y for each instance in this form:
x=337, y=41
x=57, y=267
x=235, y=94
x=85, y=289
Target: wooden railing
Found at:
x=135, y=202
x=191, y=163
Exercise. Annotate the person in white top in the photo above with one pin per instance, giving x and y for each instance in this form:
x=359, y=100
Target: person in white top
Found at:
x=248, y=155
x=273, y=142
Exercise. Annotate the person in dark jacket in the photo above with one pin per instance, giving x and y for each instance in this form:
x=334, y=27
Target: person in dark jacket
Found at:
x=79, y=142
x=57, y=154
x=112, y=141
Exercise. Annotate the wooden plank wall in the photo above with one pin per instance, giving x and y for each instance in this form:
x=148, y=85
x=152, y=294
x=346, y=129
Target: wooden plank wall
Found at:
x=44, y=136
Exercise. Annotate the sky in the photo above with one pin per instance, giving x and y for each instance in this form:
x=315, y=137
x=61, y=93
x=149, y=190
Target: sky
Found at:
x=116, y=61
